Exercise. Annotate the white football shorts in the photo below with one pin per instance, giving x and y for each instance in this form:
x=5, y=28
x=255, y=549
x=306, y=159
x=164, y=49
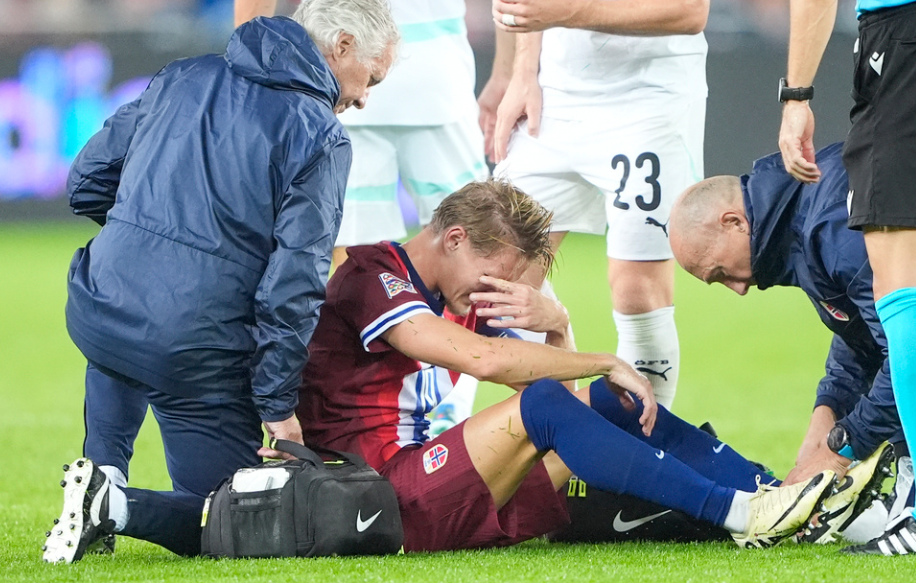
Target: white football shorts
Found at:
x=618, y=174
x=431, y=162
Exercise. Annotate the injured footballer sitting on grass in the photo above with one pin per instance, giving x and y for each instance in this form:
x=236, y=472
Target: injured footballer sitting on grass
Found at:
x=401, y=323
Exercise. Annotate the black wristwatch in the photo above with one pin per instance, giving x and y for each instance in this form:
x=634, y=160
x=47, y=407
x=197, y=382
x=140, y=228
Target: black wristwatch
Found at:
x=838, y=442
x=794, y=93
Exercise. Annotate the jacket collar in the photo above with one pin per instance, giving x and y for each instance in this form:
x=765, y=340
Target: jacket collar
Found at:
x=278, y=53
x=772, y=201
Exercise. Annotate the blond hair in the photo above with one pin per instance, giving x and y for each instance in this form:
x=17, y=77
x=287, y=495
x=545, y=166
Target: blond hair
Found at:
x=496, y=214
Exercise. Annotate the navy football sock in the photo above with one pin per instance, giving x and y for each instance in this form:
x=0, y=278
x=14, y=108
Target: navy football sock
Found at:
x=610, y=459
x=696, y=448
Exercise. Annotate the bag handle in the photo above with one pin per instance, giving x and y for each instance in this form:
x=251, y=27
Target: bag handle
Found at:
x=308, y=453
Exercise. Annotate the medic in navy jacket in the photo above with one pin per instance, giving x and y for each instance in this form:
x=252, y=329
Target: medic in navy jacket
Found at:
x=799, y=238
x=220, y=190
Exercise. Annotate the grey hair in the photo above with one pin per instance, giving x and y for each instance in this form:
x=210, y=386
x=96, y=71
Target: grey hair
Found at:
x=369, y=21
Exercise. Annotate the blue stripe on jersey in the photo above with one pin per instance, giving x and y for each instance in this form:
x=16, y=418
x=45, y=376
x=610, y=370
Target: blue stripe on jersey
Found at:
x=396, y=317
x=872, y=5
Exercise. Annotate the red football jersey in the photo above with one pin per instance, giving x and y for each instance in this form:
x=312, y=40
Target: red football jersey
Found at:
x=359, y=394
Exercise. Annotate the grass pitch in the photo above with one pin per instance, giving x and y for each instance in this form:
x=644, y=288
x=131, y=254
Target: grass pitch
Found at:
x=749, y=365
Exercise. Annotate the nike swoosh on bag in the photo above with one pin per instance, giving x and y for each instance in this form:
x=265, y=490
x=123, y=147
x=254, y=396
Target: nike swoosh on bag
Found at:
x=621, y=525
x=362, y=525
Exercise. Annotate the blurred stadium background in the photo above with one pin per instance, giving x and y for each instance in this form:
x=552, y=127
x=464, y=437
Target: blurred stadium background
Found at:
x=750, y=365
x=65, y=65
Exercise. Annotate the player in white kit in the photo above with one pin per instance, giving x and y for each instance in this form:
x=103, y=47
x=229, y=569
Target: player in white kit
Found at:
x=610, y=130
x=420, y=131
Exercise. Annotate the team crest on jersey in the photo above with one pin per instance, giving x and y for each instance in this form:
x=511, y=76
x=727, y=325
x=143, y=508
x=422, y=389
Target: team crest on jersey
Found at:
x=395, y=285
x=434, y=458
x=837, y=313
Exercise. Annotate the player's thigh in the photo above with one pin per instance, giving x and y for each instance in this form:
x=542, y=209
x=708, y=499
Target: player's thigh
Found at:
x=206, y=439
x=543, y=169
x=435, y=161
x=642, y=165
x=371, y=212
x=499, y=448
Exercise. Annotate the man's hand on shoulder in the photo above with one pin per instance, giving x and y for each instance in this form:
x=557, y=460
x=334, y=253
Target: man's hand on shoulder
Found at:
x=288, y=429
x=518, y=305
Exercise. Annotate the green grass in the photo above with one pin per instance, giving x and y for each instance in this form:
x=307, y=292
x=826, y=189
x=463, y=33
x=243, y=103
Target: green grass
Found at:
x=749, y=365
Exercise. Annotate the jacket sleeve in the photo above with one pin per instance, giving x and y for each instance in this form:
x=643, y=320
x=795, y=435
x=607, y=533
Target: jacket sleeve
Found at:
x=96, y=172
x=846, y=379
x=874, y=418
x=292, y=288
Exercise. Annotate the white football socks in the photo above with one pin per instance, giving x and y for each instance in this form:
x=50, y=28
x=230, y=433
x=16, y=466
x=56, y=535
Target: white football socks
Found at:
x=649, y=343
x=737, y=517
x=117, y=499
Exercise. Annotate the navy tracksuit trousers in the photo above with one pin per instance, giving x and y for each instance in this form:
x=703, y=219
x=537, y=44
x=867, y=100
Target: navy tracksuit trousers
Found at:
x=206, y=440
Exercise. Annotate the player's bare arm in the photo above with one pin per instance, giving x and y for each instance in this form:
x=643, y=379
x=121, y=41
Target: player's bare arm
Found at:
x=512, y=362
x=624, y=17
x=495, y=88
x=811, y=23
x=523, y=95
x=245, y=10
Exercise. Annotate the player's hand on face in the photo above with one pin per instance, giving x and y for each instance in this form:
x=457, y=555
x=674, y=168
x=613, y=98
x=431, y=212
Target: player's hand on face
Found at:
x=521, y=306
x=624, y=380
x=288, y=429
x=522, y=99
x=796, y=141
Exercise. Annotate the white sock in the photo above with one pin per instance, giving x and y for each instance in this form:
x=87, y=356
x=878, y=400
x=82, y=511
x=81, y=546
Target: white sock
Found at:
x=737, y=517
x=117, y=507
x=649, y=343
x=116, y=476
x=117, y=499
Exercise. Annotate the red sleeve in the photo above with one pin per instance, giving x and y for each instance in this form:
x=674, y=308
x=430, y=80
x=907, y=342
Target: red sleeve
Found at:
x=376, y=295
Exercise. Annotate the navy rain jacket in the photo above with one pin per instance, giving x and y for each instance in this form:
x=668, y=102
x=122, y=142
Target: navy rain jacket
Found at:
x=220, y=190
x=799, y=238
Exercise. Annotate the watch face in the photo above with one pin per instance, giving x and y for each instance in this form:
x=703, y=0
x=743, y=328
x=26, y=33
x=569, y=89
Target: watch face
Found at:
x=837, y=438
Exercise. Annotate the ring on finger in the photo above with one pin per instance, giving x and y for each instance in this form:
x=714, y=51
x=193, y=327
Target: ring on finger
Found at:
x=509, y=20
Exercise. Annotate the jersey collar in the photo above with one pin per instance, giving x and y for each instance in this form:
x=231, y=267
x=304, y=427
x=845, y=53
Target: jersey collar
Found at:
x=435, y=302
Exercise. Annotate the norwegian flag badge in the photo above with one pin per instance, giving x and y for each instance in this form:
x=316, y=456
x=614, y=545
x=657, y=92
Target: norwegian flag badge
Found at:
x=835, y=312
x=434, y=458
x=395, y=285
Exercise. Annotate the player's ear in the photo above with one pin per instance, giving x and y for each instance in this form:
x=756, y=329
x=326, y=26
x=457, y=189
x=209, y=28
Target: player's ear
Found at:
x=454, y=237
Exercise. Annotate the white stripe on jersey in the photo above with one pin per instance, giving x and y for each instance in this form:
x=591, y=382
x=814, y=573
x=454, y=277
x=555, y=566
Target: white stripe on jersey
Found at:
x=420, y=393
x=390, y=318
